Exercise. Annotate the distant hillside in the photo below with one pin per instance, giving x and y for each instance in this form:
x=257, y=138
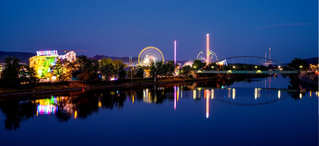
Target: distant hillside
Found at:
x=313, y=60
x=124, y=59
x=23, y=56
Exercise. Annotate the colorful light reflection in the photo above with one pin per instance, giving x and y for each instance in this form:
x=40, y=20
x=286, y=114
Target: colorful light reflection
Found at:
x=46, y=109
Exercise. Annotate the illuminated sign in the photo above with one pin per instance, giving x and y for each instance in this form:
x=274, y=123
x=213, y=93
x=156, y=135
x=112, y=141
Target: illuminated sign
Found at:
x=47, y=53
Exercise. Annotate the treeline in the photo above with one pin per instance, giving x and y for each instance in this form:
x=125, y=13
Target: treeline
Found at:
x=85, y=69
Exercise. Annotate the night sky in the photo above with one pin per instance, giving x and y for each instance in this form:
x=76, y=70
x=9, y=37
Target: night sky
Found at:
x=123, y=28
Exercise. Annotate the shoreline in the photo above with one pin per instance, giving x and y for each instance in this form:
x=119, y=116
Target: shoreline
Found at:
x=97, y=87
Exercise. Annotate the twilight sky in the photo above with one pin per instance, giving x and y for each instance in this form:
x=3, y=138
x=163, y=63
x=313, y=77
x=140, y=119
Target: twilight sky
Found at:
x=125, y=27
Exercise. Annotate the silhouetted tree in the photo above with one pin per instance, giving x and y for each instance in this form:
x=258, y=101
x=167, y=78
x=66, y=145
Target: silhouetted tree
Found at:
x=185, y=70
x=122, y=73
x=107, y=71
x=87, y=69
x=198, y=64
x=10, y=75
x=299, y=64
x=139, y=72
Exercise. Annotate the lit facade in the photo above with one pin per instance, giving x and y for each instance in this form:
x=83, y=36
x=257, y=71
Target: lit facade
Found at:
x=45, y=61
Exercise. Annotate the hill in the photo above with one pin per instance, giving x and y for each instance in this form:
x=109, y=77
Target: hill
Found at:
x=23, y=56
x=313, y=60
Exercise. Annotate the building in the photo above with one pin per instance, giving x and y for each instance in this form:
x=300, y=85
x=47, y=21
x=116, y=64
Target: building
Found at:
x=44, y=63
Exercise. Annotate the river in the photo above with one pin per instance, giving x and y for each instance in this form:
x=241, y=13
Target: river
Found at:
x=265, y=111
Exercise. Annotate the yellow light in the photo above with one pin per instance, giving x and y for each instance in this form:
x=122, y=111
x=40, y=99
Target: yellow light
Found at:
x=150, y=47
x=229, y=71
x=258, y=71
x=133, y=98
x=207, y=104
x=279, y=94
x=300, y=66
x=300, y=95
x=100, y=104
x=75, y=114
x=177, y=93
x=256, y=93
x=212, y=67
x=310, y=93
x=234, y=67
x=212, y=94
x=234, y=93
x=194, y=94
x=256, y=66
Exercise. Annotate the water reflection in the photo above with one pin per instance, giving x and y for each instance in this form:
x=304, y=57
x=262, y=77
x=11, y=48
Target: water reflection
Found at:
x=80, y=106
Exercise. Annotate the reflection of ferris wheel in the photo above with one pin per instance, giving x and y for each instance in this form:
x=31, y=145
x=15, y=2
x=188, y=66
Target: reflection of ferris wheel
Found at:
x=150, y=54
x=212, y=56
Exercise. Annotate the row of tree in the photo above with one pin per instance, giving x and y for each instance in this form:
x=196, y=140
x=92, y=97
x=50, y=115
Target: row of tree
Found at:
x=86, y=69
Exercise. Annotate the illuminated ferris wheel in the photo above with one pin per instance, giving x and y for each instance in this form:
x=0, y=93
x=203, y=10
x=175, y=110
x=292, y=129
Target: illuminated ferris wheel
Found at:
x=150, y=54
x=212, y=56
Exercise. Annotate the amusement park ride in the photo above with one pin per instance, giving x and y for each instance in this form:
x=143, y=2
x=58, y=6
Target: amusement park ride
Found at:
x=153, y=54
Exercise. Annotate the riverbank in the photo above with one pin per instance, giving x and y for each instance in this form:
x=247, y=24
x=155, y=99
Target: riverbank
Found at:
x=76, y=86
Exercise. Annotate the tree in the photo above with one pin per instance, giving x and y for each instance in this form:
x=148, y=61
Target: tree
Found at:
x=185, y=70
x=122, y=73
x=87, y=69
x=198, y=64
x=299, y=64
x=155, y=69
x=105, y=61
x=62, y=70
x=167, y=69
x=27, y=75
x=10, y=74
x=117, y=64
x=32, y=76
x=139, y=72
x=107, y=71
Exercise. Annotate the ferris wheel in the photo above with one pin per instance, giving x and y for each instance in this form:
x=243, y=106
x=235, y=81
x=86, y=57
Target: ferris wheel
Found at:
x=212, y=56
x=150, y=54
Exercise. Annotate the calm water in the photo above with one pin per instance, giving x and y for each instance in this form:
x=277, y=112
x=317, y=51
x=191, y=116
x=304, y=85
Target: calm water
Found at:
x=268, y=111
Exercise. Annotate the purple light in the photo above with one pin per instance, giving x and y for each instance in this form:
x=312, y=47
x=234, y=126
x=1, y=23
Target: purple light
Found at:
x=175, y=52
x=46, y=109
x=175, y=96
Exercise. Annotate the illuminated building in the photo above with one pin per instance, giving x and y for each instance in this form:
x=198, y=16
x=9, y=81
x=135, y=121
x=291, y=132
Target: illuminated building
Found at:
x=45, y=61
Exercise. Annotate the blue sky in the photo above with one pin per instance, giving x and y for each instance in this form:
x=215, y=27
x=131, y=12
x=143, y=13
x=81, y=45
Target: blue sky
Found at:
x=123, y=28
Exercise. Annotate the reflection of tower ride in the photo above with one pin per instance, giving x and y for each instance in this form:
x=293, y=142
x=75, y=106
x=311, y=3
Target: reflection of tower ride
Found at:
x=176, y=96
x=175, y=100
x=207, y=96
x=147, y=96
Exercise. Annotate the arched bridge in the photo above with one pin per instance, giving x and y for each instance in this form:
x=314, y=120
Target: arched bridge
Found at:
x=247, y=65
